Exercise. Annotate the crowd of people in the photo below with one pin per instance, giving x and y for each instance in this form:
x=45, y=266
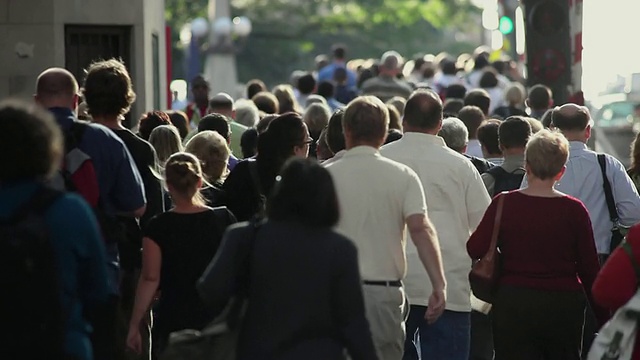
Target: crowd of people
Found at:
x=347, y=206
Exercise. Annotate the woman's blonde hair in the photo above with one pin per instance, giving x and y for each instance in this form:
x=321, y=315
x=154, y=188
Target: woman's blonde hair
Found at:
x=183, y=174
x=213, y=152
x=166, y=140
x=546, y=154
x=286, y=98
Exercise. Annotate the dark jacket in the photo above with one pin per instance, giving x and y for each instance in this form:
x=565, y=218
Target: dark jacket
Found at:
x=305, y=294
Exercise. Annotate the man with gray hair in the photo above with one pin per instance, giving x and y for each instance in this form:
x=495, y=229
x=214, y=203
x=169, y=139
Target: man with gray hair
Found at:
x=375, y=215
x=456, y=136
x=387, y=85
x=316, y=116
x=247, y=113
x=457, y=200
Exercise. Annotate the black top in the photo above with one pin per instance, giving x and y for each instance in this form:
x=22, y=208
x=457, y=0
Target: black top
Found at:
x=481, y=165
x=305, y=293
x=214, y=195
x=144, y=155
x=240, y=194
x=187, y=242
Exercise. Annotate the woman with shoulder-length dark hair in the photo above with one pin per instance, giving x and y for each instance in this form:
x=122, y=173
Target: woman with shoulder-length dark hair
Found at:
x=304, y=291
x=251, y=181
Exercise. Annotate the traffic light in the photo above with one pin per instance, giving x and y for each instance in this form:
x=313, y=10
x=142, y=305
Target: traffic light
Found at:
x=505, y=25
x=548, y=48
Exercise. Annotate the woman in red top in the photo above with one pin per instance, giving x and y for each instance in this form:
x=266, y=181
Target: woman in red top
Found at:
x=548, y=254
x=617, y=281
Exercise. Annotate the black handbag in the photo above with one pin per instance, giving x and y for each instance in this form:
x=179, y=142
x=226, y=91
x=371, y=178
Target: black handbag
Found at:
x=219, y=339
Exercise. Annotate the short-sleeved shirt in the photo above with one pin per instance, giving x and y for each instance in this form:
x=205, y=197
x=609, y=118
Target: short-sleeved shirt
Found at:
x=188, y=243
x=121, y=186
x=376, y=197
x=456, y=199
x=120, y=183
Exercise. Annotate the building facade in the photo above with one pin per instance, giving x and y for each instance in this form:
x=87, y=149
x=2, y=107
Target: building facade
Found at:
x=38, y=34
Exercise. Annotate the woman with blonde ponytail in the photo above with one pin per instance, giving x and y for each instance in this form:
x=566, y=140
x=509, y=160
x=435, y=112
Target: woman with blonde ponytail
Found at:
x=176, y=248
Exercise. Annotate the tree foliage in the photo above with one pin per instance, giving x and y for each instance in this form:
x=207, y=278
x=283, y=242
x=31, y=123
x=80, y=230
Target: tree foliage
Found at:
x=289, y=31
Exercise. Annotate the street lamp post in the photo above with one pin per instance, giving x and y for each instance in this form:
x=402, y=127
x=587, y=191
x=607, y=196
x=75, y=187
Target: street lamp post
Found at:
x=225, y=36
x=219, y=38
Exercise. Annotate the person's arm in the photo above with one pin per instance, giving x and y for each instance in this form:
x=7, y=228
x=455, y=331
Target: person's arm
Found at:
x=347, y=304
x=587, y=258
x=219, y=281
x=617, y=282
x=476, y=198
x=624, y=193
x=129, y=189
x=424, y=236
x=145, y=292
x=479, y=242
x=87, y=248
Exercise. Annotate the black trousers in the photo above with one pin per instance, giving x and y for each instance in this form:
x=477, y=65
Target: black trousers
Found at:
x=536, y=325
x=481, y=336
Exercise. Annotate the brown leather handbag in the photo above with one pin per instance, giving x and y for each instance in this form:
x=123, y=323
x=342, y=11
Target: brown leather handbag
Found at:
x=485, y=272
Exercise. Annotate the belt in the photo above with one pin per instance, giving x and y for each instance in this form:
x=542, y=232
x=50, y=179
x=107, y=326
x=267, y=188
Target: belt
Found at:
x=393, y=283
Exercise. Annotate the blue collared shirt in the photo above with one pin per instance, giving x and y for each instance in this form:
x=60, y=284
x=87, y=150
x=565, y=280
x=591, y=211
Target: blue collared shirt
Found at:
x=326, y=74
x=583, y=180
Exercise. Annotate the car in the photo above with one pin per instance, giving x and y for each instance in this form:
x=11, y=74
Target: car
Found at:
x=617, y=113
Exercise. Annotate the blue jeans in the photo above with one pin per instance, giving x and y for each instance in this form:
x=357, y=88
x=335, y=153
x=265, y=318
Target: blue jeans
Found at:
x=446, y=339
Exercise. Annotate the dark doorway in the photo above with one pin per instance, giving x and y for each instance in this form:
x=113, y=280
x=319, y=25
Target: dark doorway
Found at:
x=85, y=44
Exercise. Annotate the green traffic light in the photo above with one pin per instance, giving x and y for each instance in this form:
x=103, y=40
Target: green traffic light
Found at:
x=506, y=25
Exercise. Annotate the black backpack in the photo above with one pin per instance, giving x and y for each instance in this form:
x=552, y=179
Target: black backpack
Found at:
x=30, y=305
x=504, y=180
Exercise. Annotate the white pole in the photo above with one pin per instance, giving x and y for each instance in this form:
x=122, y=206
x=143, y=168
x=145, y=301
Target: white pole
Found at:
x=220, y=68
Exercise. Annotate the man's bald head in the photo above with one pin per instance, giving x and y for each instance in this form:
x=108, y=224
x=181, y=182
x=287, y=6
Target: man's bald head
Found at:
x=57, y=87
x=423, y=110
x=570, y=117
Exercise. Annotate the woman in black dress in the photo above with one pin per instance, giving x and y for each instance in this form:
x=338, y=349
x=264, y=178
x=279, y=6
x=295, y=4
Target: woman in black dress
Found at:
x=176, y=248
x=304, y=289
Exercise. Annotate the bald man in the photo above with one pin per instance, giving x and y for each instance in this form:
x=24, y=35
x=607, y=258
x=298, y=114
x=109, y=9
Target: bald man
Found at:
x=456, y=201
x=120, y=186
x=584, y=179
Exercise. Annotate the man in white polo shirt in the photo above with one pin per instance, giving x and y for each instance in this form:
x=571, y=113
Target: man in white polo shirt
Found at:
x=378, y=198
x=457, y=200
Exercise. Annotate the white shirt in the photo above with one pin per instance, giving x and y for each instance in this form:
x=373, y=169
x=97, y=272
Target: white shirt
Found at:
x=456, y=199
x=474, y=148
x=583, y=180
x=376, y=197
x=337, y=156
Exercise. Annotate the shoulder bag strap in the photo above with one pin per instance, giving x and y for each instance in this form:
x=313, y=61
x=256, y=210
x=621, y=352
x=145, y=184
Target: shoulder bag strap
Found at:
x=493, y=246
x=636, y=267
x=608, y=194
